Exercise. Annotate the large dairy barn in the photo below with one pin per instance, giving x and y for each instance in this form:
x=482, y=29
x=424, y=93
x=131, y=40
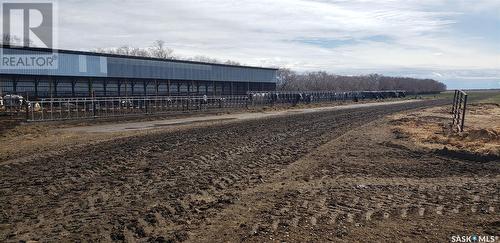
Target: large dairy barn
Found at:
x=86, y=74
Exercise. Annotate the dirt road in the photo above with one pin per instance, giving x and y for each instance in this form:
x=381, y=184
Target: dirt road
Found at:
x=150, y=125
x=333, y=175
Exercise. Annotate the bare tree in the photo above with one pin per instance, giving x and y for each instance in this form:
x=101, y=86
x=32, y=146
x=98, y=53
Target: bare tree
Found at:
x=13, y=40
x=200, y=58
x=231, y=62
x=159, y=50
x=124, y=50
x=206, y=59
x=286, y=79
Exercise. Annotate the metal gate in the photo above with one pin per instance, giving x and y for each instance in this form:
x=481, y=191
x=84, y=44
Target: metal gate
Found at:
x=458, y=110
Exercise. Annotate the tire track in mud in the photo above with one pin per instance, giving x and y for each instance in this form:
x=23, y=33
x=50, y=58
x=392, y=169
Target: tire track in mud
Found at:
x=336, y=207
x=364, y=185
x=161, y=185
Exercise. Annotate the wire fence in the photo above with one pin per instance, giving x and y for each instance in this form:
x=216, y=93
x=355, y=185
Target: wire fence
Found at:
x=58, y=109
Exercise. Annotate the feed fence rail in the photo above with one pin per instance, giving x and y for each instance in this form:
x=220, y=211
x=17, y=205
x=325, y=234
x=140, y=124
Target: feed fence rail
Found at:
x=58, y=109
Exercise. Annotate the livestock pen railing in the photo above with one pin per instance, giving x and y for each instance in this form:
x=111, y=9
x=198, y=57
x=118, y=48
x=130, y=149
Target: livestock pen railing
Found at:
x=88, y=108
x=458, y=110
x=101, y=107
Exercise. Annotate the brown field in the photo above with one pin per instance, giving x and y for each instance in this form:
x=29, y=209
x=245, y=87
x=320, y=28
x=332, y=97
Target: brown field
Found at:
x=365, y=174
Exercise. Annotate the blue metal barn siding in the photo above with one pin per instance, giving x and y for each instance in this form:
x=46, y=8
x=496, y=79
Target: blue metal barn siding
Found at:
x=68, y=65
x=147, y=69
x=83, y=65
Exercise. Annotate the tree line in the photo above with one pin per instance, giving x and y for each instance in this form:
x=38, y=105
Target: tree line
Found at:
x=289, y=80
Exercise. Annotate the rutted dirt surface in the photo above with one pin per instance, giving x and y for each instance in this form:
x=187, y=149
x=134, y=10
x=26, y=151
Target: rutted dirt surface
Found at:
x=316, y=177
x=21, y=141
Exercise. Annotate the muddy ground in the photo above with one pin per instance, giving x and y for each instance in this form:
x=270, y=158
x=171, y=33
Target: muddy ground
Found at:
x=20, y=140
x=338, y=175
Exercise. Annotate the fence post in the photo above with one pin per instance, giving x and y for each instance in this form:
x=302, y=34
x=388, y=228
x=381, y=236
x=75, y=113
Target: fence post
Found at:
x=456, y=107
x=93, y=108
x=52, y=109
x=27, y=110
x=454, y=110
x=454, y=101
x=458, y=100
x=463, y=113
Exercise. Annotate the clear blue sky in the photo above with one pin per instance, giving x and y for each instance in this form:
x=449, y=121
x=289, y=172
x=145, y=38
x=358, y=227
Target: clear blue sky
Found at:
x=455, y=41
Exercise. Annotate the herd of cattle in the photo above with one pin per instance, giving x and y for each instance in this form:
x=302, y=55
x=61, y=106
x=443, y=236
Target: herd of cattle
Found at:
x=309, y=97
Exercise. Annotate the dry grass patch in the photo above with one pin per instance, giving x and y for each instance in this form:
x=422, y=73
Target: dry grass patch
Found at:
x=430, y=128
